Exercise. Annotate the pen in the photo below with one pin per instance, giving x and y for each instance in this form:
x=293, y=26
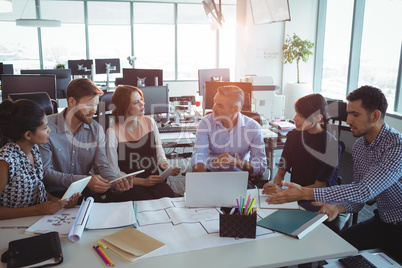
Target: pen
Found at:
x=106, y=256
x=232, y=211
x=238, y=206
x=100, y=255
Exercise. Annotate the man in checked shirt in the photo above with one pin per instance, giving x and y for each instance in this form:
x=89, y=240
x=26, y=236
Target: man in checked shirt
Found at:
x=377, y=173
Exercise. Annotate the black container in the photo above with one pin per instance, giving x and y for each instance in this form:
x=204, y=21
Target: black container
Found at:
x=236, y=225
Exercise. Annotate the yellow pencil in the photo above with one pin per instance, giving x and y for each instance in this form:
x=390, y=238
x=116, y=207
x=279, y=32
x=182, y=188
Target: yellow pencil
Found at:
x=251, y=206
x=106, y=256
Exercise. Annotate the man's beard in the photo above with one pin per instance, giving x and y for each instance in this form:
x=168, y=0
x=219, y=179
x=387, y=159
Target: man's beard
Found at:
x=80, y=116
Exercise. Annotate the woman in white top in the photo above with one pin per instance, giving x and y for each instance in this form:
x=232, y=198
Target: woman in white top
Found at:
x=133, y=143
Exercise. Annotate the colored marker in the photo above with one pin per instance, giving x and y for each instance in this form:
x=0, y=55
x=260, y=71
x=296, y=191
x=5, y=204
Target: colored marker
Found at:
x=245, y=208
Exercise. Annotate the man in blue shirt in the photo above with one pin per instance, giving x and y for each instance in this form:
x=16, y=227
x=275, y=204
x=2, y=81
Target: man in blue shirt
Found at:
x=377, y=173
x=228, y=140
x=76, y=146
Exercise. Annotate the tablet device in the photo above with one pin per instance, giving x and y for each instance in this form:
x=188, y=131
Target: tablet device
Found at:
x=76, y=187
x=127, y=175
x=166, y=173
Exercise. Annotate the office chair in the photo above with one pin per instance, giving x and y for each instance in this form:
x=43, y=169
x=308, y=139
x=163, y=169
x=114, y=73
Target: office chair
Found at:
x=104, y=111
x=252, y=115
x=338, y=114
x=42, y=98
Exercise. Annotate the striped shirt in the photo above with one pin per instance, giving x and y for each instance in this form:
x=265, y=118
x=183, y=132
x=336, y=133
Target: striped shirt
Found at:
x=377, y=173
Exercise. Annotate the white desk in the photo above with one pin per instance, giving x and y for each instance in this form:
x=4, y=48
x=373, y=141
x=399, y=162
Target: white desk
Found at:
x=319, y=244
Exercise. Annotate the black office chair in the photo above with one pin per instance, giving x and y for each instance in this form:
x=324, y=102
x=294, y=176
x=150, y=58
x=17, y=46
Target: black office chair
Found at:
x=42, y=98
x=338, y=114
x=104, y=111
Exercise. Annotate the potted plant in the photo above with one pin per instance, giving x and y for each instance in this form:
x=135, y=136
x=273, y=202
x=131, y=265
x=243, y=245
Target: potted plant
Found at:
x=296, y=49
x=60, y=66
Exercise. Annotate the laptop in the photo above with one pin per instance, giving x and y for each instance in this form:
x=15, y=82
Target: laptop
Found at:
x=215, y=189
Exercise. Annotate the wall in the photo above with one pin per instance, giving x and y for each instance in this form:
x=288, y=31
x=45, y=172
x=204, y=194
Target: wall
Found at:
x=259, y=47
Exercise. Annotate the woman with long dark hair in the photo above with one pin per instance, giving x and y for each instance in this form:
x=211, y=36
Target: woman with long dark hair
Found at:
x=23, y=124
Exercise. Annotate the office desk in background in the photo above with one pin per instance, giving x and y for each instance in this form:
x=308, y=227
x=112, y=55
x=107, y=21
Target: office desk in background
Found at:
x=274, y=251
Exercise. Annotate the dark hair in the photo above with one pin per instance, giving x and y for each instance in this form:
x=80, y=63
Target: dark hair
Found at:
x=82, y=87
x=18, y=117
x=234, y=92
x=122, y=98
x=372, y=99
x=310, y=104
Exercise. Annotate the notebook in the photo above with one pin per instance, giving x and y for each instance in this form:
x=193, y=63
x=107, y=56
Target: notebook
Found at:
x=215, y=189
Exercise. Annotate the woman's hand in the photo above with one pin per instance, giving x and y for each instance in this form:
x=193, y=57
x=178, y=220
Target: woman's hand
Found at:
x=73, y=200
x=50, y=207
x=152, y=180
x=175, y=171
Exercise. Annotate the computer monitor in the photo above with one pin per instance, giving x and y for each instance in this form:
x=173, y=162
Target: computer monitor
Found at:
x=63, y=78
x=222, y=74
x=6, y=69
x=211, y=87
x=156, y=99
x=103, y=65
x=80, y=67
x=130, y=76
x=26, y=83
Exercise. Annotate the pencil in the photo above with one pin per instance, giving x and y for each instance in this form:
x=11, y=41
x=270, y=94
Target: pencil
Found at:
x=251, y=206
x=104, y=254
x=247, y=203
x=100, y=255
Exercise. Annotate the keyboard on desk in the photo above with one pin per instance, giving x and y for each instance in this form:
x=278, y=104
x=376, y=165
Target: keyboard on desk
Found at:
x=169, y=129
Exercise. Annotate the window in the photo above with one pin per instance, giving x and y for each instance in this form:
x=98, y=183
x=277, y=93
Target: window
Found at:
x=19, y=46
x=336, y=48
x=381, y=47
x=109, y=34
x=154, y=37
x=199, y=51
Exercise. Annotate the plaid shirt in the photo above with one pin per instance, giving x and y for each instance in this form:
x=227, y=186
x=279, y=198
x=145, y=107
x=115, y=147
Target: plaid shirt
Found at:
x=377, y=173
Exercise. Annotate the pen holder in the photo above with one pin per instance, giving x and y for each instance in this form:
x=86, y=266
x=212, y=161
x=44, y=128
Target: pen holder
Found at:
x=236, y=225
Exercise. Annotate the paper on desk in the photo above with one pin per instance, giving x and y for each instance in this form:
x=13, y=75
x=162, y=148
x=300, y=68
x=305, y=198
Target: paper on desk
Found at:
x=264, y=204
x=60, y=222
x=112, y=215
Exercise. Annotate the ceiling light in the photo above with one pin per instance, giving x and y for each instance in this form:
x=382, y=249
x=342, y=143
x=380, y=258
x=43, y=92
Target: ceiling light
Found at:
x=37, y=23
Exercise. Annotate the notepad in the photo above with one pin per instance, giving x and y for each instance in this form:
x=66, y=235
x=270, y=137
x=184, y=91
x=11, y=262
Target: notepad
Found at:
x=263, y=204
x=131, y=244
x=295, y=223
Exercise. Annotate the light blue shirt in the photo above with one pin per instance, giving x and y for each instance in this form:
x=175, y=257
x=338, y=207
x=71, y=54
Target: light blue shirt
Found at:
x=69, y=157
x=244, y=141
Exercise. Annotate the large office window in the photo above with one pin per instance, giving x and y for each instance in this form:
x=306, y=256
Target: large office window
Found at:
x=175, y=37
x=196, y=42
x=109, y=33
x=67, y=42
x=376, y=47
x=381, y=46
x=154, y=37
x=336, y=48
x=19, y=46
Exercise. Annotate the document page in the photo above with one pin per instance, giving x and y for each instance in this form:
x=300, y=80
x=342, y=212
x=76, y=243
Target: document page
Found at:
x=112, y=215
